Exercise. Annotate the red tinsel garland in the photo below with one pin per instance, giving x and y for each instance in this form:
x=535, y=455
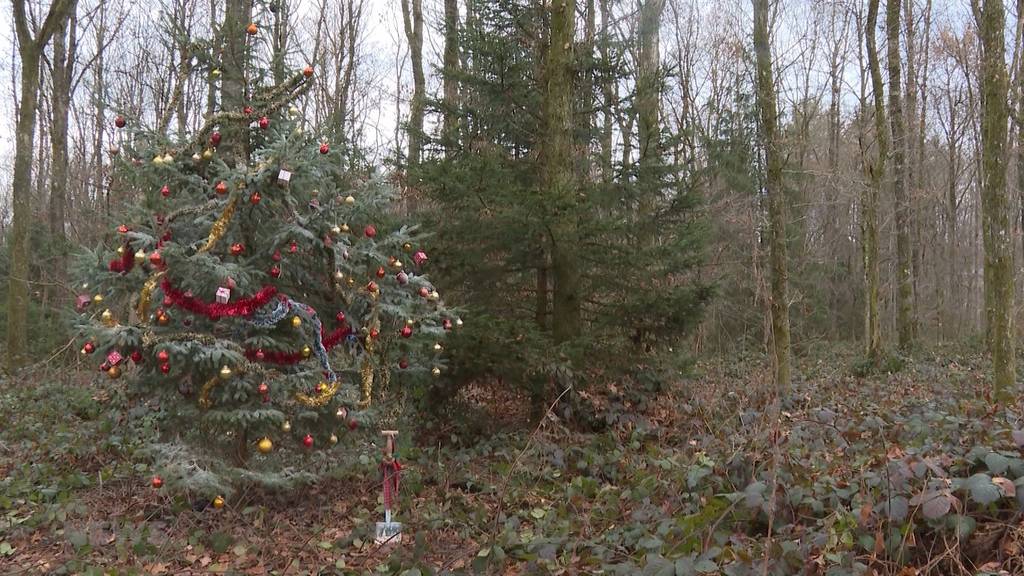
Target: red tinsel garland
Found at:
x=216, y=310
x=275, y=357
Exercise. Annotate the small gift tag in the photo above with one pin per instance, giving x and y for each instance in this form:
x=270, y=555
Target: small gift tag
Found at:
x=283, y=177
x=223, y=295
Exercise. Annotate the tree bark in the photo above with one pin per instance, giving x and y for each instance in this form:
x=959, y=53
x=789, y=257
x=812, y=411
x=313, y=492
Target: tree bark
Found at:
x=765, y=94
x=412, y=17
x=30, y=49
x=450, y=129
x=869, y=208
x=558, y=173
x=901, y=206
x=234, y=88
x=996, y=232
x=64, y=53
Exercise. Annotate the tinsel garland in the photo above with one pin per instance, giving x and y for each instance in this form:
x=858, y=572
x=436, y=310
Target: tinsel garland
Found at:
x=215, y=310
x=321, y=398
x=366, y=375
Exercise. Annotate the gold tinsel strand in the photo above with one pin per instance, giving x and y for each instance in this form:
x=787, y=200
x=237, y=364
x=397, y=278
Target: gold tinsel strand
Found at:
x=366, y=374
x=204, y=393
x=319, y=399
x=142, y=309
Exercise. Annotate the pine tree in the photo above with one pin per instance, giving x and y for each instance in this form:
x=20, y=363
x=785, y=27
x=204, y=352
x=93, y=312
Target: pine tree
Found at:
x=255, y=306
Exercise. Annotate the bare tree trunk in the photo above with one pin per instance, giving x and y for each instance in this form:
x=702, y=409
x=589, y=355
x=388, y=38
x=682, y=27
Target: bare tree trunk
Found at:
x=65, y=46
x=775, y=194
x=608, y=97
x=30, y=48
x=279, y=39
x=904, y=280
x=450, y=130
x=412, y=17
x=997, y=237
x=234, y=87
x=558, y=174
x=872, y=335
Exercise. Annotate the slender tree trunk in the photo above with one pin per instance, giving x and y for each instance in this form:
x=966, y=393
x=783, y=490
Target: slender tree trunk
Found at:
x=30, y=49
x=279, y=40
x=608, y=97
x=904, y=280
x=234, y=87
x=872, y=334
x=412, y=17
x=997, y=236
x=64, y=49
x=558, y=173
x=450, y=129
x=775, y=195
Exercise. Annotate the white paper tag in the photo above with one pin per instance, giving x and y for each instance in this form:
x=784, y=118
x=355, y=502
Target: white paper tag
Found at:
x=388, y=533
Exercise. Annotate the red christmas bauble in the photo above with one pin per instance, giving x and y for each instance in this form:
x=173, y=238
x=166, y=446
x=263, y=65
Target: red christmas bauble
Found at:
x=251, y=29
x=403, y=363
x=276, y=256
x=89, y=348
x=136, y=356
x=237, y=248
x=165, y=191
x=275, y=272
x=168, y=302
x=374, y=333
x=340, y=316
x=163, y=356
x=260, y=355
x=156, y=259
x=447, y=324
x=263, y=388
x=215, y=139
x=221, y=187
x=352, y=424
x=424, y=291
x=119, y=121
x=247, y=110
x=380, y=272
x=165, y=368
x=156, y=482
x=307, y=71
x=307, y=441
x=370, y=231
x=372, y=287
x=255, y=198
x=406, y=331
x=293, y=247
x=264, y=122
x=324, y=148
x=122, y=229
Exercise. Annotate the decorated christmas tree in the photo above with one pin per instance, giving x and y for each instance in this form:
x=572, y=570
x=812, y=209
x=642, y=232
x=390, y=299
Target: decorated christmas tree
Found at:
x=256, y=296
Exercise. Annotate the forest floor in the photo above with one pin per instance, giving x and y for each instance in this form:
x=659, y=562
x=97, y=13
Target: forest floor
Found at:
x=905, y=473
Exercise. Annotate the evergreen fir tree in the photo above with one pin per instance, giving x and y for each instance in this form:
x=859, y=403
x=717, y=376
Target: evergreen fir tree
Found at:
x=254, y=305
x=639, y=242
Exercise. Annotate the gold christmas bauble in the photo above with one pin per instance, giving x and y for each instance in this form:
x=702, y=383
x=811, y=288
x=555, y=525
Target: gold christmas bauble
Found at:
x=397, y=263
x=458, y=321
x=438, y=347
x=433, y=296
x=298, y=131
x=158, y=160
x=336, y=230
x=265, y=445
x=120, y=250
x=215, y=72
x=114, y=372
x=225, y=372
x=197, y=157
x=345, y=228
x=410, y=322
x=333, y=439
x=107, y=317
x=218, y=502
x=436, y=371
x=351, y=281
x=293, y=111
x=140, y=257
x=286, y=426
x=339, y=275
x=296, y=321
x=163, y=319
x=407, y=247
x=207, y=154
x=306, y=351
x=168, y=159
x=97, y=299
x=350, y=199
